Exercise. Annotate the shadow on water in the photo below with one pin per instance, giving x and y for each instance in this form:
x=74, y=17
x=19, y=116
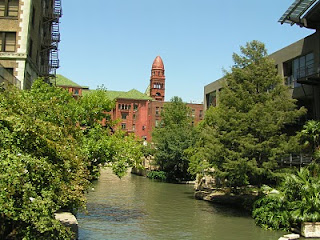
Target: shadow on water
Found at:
x=105, y=212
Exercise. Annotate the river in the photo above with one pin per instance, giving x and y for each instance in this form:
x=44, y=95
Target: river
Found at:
x=138, y=208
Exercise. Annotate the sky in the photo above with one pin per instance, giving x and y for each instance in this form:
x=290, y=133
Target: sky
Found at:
x=114, y=42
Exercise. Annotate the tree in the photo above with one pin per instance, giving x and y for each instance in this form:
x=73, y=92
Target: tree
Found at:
x=311, y=137
x=244, y=136
x=172, y=138
x=47, y=161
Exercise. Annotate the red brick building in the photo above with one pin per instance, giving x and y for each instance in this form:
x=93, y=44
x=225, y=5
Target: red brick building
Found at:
x=138, y=112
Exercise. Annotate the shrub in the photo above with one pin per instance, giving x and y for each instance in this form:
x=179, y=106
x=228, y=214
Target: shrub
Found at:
x=158, y=175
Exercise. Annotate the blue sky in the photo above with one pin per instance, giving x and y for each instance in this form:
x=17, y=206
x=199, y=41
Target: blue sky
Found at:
x=114, y=42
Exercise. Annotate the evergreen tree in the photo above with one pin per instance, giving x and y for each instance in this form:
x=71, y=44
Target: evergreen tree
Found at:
x=244, y=136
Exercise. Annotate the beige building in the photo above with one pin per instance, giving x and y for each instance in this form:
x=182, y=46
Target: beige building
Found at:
x=298, y=63
x=29, y=37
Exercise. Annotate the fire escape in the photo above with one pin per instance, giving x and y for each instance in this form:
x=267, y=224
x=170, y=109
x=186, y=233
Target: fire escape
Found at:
x=51, y=38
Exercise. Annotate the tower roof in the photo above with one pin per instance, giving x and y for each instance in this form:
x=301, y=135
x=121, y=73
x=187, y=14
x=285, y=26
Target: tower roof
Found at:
x=158, y=63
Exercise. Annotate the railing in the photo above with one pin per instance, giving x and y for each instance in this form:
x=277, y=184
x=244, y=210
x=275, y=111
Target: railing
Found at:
x=296, y=160
x=7, y=78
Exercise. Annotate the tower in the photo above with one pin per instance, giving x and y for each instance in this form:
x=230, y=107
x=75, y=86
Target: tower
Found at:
x=157, y=80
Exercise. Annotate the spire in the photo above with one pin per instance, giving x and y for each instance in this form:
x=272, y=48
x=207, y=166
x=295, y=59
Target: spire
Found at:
x=158, y=63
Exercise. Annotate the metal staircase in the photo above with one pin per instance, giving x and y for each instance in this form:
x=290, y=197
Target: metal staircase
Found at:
x=51, y=38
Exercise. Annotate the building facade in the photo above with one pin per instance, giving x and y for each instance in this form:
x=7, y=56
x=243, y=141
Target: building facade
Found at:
x=29, y=37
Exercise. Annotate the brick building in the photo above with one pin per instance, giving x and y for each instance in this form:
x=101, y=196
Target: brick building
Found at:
x=29, y=37
x=140, y=112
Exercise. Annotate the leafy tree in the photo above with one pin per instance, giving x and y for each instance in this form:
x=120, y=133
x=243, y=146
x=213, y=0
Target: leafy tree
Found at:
x=40, y=171
x=47, y=160
x=243, y=136
x=93, y=108
x=172, y=138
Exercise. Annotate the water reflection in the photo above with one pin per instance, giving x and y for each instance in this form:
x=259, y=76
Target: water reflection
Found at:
x=137, y=208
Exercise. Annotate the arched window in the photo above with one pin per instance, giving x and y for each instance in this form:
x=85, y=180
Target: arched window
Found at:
x=158, y=94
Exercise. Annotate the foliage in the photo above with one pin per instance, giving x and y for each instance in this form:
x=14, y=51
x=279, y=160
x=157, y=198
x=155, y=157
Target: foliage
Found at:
x=47, y=160
x=311, y=137
x=172, y=138
x=93, y=108
x=297, y=201
x=271, y=212
x=158, y=175
x=40, y=171
x=243, y=136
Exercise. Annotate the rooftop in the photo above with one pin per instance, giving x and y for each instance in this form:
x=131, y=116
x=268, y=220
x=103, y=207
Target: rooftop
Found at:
x=132, y=94
x=304, y=13
x=66, y=82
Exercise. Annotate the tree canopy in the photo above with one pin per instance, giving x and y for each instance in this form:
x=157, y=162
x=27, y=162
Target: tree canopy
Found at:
x=172, y=138
x=244, y=136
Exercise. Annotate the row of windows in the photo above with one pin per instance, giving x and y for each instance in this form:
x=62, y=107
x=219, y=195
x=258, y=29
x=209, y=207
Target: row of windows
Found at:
x=125, y=115
x=158, y=73
x=158, y=85
x=128, y=107
x=298, y=68
x=124, y=127
x=9, y=8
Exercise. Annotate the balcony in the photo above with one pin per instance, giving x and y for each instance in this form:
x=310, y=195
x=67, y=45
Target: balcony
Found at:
x=309, y=75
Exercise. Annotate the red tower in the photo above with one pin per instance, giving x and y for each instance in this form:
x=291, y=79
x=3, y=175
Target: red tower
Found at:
x=157, y=80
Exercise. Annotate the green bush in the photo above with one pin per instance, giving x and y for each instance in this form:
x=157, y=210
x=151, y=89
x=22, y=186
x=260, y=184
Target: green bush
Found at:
x=158, y=175
x=296, y=201
x=271, y=212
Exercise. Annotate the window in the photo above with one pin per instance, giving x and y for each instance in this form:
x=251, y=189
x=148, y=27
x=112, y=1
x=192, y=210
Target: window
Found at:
x=76, y=91
x=193, y=112
x=33, y=13
x=157, y=85
x=124, y=106
x=211, y=99
x=157, y=123
x=124, y=115
x=30, y=47
x=200, y=113
x=134, y=117
x=9, y=8
x=135, y=107
x=303, y=66
x=157, y=111
x=7, y=41
x=133, y=127
x=123, y=126
x=158, y=94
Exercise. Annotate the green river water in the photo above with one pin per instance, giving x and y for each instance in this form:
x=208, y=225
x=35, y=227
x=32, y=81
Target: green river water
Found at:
x=138, y=208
